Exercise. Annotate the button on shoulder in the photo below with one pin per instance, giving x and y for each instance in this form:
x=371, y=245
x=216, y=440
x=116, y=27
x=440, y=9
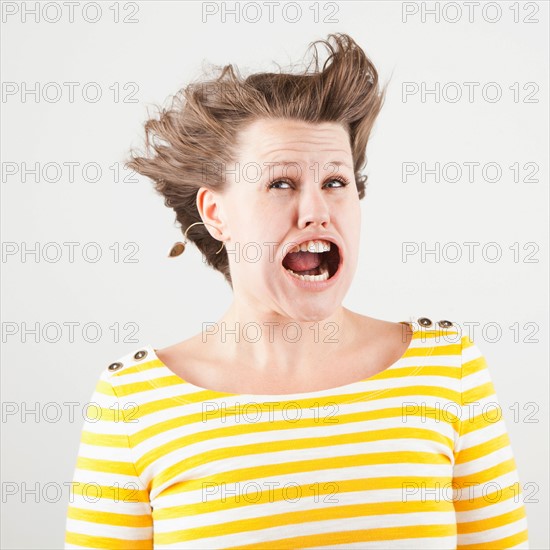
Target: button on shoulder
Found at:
x=115, y=366
x=128, y=360
x=429, y=323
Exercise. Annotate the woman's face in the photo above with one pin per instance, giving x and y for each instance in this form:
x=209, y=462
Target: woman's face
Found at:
x=267, y=207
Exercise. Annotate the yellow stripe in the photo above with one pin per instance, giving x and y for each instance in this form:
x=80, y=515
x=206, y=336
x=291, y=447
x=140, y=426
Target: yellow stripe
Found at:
x=227, y=500
x=467, y=504
x=359, y=535
x=255, y=427
x=491, y=523
x=484, y=476
x=475, y=395
x=104, y=440
x=109, y=466
x=295, y=518
x=104, y=388
x=475, y=365
x=324, y=417
x=109, y=518
x=507, y=542
x=88, y=541
x=144, y=366
x=96, y=414
x=480, y=421
x=373, y=484
x=483, y=449
x=241, y=451
x=91, y=490
x=124, y=390
x=164, y=403
x=428, y=370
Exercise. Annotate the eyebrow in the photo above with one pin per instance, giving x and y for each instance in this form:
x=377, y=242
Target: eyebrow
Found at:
x=268, y=163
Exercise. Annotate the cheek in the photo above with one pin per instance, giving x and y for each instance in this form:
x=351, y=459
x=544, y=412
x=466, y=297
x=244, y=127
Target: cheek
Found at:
x=352, y=228
x=347, y=214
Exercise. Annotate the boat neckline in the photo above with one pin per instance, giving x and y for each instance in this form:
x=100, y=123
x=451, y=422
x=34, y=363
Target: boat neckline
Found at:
x=286, y=396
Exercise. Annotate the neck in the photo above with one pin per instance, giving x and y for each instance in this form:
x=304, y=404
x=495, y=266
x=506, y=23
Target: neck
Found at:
x=267, y=341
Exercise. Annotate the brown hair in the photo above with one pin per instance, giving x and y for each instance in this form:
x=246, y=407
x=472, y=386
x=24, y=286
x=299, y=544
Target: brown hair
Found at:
x=201, y=126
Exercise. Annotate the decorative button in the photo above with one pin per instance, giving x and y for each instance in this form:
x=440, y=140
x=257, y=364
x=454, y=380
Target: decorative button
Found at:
x=425, y=322
x=115, y=366
x=445, y=324
x=140, y=355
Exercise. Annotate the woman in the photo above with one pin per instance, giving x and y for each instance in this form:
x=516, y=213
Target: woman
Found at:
x=292, y=422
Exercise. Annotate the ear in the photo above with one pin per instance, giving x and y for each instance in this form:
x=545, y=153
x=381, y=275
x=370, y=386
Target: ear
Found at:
x=210, y=210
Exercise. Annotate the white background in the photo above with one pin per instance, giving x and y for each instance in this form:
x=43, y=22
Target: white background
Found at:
x=168, y=299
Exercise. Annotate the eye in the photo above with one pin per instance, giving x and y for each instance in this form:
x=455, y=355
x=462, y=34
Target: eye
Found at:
x=270, y=185
x=342, y=181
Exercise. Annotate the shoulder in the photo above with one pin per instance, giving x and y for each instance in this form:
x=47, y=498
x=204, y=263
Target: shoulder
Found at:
x=427, y=326
x=413, y=327
x=436, y=337
x=452, y=337
x=417, y=322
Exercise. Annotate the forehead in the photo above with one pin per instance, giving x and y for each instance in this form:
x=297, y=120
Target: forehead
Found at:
x=265, y=138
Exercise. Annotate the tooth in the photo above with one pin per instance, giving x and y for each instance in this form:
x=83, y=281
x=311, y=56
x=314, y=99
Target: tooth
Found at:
x=323, y=276
x=312, y=246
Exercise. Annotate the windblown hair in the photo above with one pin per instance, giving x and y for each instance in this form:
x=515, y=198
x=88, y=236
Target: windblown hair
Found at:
x=201, y=126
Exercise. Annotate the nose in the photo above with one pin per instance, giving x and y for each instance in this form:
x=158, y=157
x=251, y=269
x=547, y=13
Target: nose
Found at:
x=312, y=207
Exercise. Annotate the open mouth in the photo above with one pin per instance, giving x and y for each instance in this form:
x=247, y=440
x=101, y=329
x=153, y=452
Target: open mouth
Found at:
x=316, y=260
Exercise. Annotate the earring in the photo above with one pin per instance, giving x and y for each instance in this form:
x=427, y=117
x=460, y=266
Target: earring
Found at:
x=179, y=247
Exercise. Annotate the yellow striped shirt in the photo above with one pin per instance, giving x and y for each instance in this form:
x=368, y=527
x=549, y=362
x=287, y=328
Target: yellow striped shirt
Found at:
x=416, y=456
